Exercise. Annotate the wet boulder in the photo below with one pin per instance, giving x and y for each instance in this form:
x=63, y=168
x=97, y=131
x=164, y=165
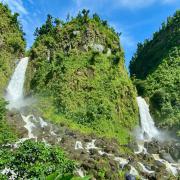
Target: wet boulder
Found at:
x=129, y=177
x=167, y=157
x=175, y=151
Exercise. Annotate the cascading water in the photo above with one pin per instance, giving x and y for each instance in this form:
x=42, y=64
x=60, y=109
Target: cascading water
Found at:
x=147, y=124
x=39, y=129
x=14, y=91
x=149, y=131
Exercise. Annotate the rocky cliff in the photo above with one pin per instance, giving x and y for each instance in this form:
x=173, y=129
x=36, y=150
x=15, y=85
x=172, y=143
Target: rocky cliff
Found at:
x=81, y=65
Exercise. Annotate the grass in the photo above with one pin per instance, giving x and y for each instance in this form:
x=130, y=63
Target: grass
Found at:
x=108, y=129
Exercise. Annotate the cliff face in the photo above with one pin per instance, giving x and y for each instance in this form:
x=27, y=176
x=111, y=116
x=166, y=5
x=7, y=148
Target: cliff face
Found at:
x=12, y=44
x=81, y=64
x=155, y=69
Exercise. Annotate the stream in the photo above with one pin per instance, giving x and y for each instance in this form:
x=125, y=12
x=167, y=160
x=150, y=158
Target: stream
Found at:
x=147, y=162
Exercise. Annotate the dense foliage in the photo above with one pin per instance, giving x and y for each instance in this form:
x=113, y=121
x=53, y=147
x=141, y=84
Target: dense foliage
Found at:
x=81, y=64
x=35, y=160
x=156, y=70
x=12, y=44
x=6, y=132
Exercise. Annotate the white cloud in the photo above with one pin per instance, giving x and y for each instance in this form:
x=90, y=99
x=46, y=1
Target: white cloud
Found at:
x=135, y=3
x=131, y=4
x=16, y=6
x=128, y=4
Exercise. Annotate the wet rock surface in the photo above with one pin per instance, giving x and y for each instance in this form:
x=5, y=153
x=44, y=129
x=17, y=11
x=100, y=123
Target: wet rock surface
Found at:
x=98, y=157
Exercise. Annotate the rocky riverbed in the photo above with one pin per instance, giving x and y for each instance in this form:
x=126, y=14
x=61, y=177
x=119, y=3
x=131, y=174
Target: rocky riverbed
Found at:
x=100, y=157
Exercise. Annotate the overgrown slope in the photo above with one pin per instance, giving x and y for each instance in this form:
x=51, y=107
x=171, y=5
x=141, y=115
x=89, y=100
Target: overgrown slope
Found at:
x=12, y=44
x=80, y=64
x=156, y=70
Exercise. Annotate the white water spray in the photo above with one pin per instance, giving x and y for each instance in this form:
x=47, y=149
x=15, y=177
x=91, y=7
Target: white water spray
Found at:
x=147, y=124
x=14, y=90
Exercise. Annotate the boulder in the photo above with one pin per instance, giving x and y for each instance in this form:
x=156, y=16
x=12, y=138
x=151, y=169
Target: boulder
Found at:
x=76, y=32
x=129, y=177
x=98, y=47
x=175, y=151
x=167, y=157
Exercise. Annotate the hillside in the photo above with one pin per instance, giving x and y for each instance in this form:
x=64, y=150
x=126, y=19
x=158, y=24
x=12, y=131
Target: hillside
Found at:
x=155, y=69
x=12, y=44
x=79, y=65
x=71, y=110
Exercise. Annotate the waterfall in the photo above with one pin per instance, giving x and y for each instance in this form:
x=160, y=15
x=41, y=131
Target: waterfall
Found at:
x=14, y=91
x=147, y=124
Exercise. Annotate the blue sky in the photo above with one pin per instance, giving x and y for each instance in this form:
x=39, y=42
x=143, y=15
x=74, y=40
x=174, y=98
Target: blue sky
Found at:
x=136, y=19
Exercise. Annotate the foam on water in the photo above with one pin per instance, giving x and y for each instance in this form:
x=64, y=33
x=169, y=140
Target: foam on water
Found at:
x=78, y=145
x=170, y=167
x=144, y=169
x=42, y=122
x=29, y=125
x=122, y=161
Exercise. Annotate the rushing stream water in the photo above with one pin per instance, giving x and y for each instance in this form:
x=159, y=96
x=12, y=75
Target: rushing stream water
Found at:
x=149, y=131
x=14, y=91
x=38, y=129
x=148, y=128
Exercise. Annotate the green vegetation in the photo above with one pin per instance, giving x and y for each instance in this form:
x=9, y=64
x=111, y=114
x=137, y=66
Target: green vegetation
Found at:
x=80, y=64
x=155, y=69
x=6, y=132
x=36, y=160
x=12, y=44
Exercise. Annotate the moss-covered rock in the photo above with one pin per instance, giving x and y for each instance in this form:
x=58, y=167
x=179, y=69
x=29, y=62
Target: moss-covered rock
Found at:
x=81, y=64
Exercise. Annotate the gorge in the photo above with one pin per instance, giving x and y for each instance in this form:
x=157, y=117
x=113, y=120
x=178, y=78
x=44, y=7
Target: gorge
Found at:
x=70, y=110
x=38, y=129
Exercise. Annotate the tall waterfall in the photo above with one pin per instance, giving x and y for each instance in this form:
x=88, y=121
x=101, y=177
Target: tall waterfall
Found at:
x=14, y=91
x=147, y=124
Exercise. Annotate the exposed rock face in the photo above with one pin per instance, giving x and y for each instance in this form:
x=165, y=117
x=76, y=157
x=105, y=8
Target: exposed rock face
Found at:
x=98, y=47
x=76, y=32
x=95, y=155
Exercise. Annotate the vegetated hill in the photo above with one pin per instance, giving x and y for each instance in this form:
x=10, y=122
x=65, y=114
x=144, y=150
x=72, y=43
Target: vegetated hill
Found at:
x=80, y=64
x=12, y=44
x=155, y=69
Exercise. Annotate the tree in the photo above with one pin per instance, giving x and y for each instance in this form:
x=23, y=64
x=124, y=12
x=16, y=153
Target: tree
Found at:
x=96, y=17
x=47, y=28
x=68, y=17
x=85, y=15
x=57, y=22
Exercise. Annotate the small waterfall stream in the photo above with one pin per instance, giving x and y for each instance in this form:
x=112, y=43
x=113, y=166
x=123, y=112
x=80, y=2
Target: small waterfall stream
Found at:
x=39, y=129
x=147, y=123
x=149, y=131
x=14, y=91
